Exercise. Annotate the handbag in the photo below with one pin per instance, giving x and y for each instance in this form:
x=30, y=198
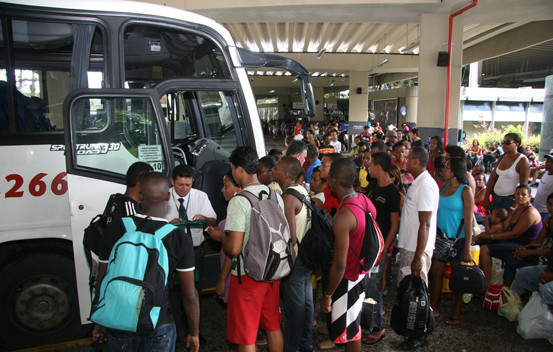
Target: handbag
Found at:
x=493, y=298
x=444, y=248
x=466, y=279
x=510, y=309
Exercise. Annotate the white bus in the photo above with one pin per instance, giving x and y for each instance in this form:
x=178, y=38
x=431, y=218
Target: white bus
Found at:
x=86, y=89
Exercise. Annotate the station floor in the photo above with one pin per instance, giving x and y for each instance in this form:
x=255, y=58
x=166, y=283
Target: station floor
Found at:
x=479, y=330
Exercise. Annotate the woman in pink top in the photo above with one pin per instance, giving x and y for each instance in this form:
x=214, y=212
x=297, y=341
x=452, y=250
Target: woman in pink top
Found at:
x=399, y=159
x=435, y=149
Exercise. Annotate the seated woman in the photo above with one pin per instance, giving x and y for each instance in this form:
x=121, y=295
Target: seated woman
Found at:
x=479, y=211
x=490, y=156
x=522, y=226
x=538, y=276
x=535, y=252
x=455, y=207
x=475, y=152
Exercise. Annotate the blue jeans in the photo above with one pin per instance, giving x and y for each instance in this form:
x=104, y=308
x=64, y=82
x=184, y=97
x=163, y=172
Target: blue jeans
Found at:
x=297, y=297
x=372, y=290
x=528, y=278
x=162, y=339
x=504, y=250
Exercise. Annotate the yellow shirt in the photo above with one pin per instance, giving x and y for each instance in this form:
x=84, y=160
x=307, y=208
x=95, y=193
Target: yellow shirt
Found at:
x=363, y=177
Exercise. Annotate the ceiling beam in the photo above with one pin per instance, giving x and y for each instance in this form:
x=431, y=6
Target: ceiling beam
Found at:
x=516, y=39
x=356, y=62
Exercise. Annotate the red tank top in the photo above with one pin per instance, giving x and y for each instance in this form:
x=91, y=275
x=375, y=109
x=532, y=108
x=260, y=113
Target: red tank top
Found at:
x=356, y=237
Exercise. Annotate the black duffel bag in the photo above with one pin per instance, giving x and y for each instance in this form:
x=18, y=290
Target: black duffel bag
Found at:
x=466, y=279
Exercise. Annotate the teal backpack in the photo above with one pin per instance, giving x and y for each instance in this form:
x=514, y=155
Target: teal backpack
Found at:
x=133, y=289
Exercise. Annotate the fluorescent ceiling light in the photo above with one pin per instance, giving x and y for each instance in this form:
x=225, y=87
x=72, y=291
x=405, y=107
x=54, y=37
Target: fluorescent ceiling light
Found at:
x=384, y=62
x=321, y=53
x=410, y=47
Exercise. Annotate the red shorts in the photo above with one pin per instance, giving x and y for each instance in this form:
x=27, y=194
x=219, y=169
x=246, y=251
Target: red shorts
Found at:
x=249, y=304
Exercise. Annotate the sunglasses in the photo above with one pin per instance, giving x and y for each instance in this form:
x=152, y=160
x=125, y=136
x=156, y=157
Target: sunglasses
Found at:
x=507, y=142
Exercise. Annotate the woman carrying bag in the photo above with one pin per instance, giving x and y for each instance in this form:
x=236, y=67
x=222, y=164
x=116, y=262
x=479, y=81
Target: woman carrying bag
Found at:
x=455, y=210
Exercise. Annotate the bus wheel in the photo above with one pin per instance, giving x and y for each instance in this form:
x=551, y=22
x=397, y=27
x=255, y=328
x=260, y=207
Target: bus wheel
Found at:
x=38, y=301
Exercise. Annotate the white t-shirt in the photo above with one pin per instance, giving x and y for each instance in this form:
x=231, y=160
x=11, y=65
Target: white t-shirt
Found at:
x=320, y=196
x=423, y=195
x=545, y=188
x=337, y=146
x=196, y=202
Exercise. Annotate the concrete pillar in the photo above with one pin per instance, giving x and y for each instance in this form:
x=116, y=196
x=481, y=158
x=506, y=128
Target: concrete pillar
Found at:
x=318, y=92
x=358, y=102
x=283, y=101
x=492, y=123
x=411, y=100
x=433, y=78
x=546, y=142
x=474, y=74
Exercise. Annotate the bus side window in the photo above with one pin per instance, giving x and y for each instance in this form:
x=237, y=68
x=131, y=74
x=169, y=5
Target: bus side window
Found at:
x=43, y=55
x=126, y=132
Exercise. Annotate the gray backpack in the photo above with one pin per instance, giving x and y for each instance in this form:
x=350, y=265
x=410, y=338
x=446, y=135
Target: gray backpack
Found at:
x=268, y=255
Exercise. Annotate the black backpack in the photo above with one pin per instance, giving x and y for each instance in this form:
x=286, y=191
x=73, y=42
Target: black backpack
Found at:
x=317, y=245
x=93, y=237
x=412, y=315
x=373, y=242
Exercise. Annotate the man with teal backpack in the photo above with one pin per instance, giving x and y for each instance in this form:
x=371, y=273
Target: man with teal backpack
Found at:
x=133, y=309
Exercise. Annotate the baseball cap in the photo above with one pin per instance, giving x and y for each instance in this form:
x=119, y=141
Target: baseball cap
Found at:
x=391, y=133
x=550, y=155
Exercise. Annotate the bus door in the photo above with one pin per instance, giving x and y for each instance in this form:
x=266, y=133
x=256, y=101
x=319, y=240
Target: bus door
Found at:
x=109, y=130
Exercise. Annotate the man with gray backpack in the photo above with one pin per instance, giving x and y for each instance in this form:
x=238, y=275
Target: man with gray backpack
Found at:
x=257, y=237
x=133, y=311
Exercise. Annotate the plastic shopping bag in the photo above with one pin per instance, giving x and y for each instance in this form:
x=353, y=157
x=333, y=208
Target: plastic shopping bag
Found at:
x=510, y=309
x=536, y=320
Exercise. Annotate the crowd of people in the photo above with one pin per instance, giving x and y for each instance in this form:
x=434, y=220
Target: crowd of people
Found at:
x=415, y=192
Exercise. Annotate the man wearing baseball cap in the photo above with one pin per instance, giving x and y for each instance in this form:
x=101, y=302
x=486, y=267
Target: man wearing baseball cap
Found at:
x=391, y=136
x=545, y=187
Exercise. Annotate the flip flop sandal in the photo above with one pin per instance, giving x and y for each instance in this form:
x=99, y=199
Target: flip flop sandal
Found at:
x=374, y=341
x=453, y=321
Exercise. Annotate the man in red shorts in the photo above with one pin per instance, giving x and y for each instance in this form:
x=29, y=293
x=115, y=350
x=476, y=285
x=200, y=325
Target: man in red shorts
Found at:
x=250, y=303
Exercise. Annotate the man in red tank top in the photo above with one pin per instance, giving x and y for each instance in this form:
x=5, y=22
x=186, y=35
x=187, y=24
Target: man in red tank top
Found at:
x=345, y=289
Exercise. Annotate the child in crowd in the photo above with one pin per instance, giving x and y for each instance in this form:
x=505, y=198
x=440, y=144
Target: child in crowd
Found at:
x=399, y=159
x=265, y=172
x=317, y=188
x=229, y=190
x=318, y=198
x=478, y=169
x=494, y=223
